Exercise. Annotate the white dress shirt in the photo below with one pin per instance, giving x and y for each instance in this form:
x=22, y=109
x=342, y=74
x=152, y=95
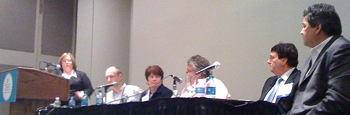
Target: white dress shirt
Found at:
x=72, y=74
x=132, y=93
x=283, y=89
x=317, y=49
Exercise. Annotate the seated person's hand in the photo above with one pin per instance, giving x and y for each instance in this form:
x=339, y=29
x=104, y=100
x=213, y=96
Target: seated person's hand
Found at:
x=79, y=94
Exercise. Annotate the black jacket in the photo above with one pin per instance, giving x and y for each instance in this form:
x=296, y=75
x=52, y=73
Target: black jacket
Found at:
x=82, y=82
x=325, y=88
x=162, y=92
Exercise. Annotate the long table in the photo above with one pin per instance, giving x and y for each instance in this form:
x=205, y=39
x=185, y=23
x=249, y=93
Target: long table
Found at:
x=173, y=106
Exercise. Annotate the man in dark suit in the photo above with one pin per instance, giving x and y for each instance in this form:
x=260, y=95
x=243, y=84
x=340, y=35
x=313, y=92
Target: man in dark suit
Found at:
x=280, y=88
x=324, y=86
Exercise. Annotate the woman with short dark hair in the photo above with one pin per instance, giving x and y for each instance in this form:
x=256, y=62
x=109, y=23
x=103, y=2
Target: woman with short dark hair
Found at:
x=154, y=75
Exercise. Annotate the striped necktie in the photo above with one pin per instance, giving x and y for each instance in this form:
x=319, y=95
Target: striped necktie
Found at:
x=274, y=90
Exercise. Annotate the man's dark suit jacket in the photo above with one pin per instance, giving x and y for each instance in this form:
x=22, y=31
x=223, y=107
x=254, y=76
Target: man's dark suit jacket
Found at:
x=284, y=103
x=326, y=88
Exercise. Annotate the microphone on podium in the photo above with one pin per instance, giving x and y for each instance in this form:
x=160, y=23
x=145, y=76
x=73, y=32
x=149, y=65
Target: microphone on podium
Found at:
x=57, y=66
x=215, y=65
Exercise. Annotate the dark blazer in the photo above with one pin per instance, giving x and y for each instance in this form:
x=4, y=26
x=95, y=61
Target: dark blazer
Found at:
x=326, y=88
x=82, y=82
x=162, y=92
x=284, y=103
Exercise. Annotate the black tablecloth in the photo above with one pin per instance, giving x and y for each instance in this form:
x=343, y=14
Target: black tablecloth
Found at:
x=173, y=106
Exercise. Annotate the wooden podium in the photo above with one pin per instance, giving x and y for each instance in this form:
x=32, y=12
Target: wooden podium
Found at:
x=36, y=89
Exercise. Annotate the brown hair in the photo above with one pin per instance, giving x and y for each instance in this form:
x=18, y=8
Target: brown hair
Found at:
x=64, y=55
x=154, y=69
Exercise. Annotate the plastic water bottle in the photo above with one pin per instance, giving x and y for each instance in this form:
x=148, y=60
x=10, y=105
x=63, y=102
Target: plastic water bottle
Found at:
x=57, y=103
x=71, y=102
x=211, y=88
x=85, y=99
x=125, y=99
x=200, y=88
x=99, y=98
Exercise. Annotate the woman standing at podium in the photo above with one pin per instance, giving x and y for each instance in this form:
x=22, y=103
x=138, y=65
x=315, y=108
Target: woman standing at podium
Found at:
x=79, y=81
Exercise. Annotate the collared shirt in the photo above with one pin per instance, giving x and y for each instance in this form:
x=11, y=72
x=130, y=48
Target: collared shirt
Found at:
x=283, y=89
x=72, y=74
x=147, y=96
x=128, y=92
x=317, y=49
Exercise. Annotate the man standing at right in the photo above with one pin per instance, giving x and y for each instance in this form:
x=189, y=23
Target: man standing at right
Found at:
x=324, y=86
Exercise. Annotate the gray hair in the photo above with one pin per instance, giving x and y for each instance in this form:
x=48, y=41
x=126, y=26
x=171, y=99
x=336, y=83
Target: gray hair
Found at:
x=198, y=62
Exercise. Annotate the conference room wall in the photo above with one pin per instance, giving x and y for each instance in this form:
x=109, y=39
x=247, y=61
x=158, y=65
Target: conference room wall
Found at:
x=103, y=38
x=237, y=33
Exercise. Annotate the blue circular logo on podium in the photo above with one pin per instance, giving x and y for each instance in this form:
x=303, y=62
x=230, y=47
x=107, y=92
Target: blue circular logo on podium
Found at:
x=7, y=87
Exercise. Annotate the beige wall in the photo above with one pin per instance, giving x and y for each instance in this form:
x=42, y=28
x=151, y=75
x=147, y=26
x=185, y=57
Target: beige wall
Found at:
x=103, y=30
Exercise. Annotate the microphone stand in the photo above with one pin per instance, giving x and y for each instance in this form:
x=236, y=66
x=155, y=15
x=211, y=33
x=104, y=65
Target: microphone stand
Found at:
x=47, y=68
x=48, y=64
x=175, y=94
x=105, y=95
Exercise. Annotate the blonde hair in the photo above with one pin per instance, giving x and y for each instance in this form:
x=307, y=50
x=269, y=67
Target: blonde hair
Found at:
x=64, y=55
